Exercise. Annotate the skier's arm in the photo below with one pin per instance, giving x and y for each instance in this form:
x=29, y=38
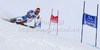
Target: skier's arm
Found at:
x=38, y=17
x=29, y=12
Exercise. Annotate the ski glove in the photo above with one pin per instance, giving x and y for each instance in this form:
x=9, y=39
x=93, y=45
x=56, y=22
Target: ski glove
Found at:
x=33, y=16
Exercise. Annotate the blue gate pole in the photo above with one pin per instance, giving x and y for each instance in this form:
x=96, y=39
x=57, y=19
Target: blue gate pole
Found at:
x=96, y=27
x=82, y=24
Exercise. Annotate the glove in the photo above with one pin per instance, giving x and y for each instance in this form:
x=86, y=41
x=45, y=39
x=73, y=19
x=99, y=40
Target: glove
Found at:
x=33, y=16
x=25, y=21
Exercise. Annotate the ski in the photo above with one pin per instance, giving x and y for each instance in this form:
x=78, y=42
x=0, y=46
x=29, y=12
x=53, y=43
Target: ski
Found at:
x=18, y=23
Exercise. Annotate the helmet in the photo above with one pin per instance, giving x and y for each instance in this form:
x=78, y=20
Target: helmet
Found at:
x=38, y=9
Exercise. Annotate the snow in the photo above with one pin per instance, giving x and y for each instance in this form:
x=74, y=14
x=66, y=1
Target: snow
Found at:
x=11, y=38
x=17, y=37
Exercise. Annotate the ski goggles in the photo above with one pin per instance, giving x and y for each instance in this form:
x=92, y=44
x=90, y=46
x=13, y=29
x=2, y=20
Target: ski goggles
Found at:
x=37, y=11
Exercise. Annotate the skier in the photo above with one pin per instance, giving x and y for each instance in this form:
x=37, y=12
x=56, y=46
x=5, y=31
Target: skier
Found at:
x=28, y=17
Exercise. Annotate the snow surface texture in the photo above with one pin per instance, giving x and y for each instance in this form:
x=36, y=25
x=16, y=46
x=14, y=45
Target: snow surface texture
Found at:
x=11, y=38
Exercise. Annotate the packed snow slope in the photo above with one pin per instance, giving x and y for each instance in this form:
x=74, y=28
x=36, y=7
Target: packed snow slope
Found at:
x=13, y=38
x=70, y=16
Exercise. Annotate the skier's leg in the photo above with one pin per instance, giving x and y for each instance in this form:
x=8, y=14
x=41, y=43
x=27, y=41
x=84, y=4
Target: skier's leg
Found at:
x=19, y=20
x=13, y=20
